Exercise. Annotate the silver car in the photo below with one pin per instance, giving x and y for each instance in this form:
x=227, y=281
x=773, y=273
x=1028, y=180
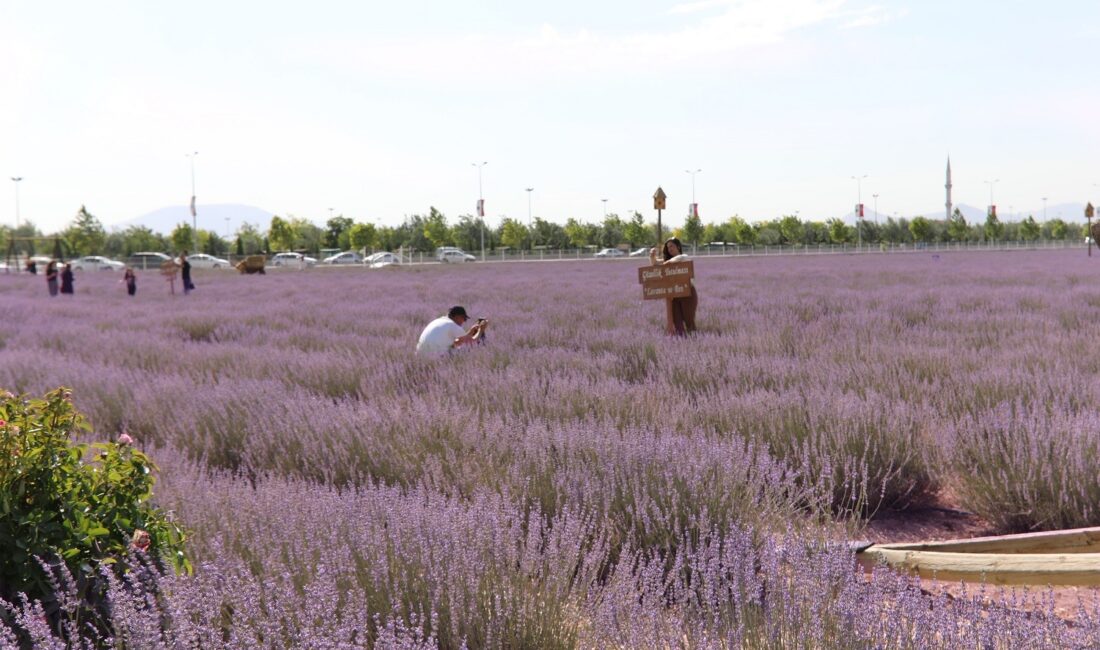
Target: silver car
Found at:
x=204, y=261
x=347, y=257
x=96, y=263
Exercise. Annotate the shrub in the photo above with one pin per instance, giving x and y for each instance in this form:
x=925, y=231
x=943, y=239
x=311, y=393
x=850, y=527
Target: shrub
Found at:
x=71, y=504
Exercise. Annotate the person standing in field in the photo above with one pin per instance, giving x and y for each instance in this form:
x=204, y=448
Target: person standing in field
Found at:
x=51, y=277
x=67, y=279
x=130, y=278
x=447, y=333
x=683, y=309
x=185, y=273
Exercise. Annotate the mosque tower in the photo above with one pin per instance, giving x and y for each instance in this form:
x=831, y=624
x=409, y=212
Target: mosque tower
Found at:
x=948, y=186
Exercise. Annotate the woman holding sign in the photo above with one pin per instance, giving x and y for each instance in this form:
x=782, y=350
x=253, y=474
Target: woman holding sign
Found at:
x=683, y=309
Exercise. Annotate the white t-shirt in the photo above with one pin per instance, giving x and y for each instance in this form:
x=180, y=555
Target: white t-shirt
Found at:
x=682, y=257
x=438, y=337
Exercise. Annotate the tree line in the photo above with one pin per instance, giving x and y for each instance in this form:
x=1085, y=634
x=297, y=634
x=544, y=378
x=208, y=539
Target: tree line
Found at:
x=86, y=235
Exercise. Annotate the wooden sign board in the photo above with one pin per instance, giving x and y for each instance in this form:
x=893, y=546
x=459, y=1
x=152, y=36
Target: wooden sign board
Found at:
x=1090, y=211
x=666, y=281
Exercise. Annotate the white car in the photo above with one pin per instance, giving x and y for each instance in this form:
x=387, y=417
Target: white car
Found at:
x=204, y=261
x=293, y=260
x=456, y=256
x=380, y=260
x=96, y=263
x=610, y=252
x=349, y=257
x=641, y=252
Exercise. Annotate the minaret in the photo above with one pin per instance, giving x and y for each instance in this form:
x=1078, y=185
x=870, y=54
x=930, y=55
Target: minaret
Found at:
x=948, y=186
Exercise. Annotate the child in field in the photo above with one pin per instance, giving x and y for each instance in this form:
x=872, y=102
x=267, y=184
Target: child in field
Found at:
x=67, y=279
x=51, y=278
x=130, y=278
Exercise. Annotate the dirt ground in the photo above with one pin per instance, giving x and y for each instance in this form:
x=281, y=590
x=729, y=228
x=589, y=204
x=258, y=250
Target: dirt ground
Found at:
x=945, y=522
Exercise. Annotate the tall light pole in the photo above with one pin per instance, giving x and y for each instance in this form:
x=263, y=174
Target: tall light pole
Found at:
x=876, y=209
x=16, y=179
x=991, y=203
x=1044, y=209
x=481, y=205
x=194, y=211
x=859, y=205
x=693, y=173
x=604, y=208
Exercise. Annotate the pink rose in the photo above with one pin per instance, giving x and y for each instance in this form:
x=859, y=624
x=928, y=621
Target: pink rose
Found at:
x=125, y=439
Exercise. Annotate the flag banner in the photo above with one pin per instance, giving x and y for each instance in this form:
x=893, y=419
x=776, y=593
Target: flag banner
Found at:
x=693, y=210
x=859, y=210
x=481, y=207
x=993, y=211
x=193, y=212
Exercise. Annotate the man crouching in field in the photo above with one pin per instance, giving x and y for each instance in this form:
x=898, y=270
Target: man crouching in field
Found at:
x=447, y=333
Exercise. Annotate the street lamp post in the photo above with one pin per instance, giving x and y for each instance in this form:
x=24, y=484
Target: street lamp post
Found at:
x=859, y=205
x=194, y=211
x=481, y=205
x=693, y=173
x=16, y=179
x=1044, y=209
x=604, y=208
x=876, y=211
x=992, y=205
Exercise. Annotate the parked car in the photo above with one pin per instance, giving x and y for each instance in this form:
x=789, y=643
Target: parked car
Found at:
x=641, y=252
x=610, y=252
x=456, y=256
x=380, y=260
x=96, y=263
x=439, y=252
x=294, y=260
x=204, y=261
x=147, y=260
x=349, y=257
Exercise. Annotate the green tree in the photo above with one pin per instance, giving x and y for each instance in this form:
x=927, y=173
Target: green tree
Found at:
x=281, y=234
x=182, y=237
x=612, y=231
x=957, y=229
x=362, y=236
x=336, y=232
x=513, y=234
x=839, y=232
x=251, y=240
x=693, y=229
x=921, y=229
x=85, y=235
x=548, y=234
x=436, y=230
x=740, y=231
x=136, y=239
x=580, y=234
x=308, y=236
x=1058, y=229
x=466, y=234
x=636, y=231
x=994, y=229
x=790, y=230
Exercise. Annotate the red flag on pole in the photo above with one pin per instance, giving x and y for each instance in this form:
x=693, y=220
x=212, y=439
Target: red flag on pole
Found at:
x=481, y=207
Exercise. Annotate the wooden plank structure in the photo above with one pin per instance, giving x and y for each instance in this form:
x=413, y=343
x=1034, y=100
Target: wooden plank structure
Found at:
x=252, y=264
x=1055, y=558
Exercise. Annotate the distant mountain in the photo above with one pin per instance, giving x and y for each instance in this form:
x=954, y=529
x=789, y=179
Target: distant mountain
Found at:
x=210, y=217
x=1066, y=211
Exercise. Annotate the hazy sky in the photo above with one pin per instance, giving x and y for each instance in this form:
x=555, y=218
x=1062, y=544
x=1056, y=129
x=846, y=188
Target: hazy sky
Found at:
x=378, y=109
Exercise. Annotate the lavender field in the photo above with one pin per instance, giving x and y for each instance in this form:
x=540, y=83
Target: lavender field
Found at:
x=582, y=480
